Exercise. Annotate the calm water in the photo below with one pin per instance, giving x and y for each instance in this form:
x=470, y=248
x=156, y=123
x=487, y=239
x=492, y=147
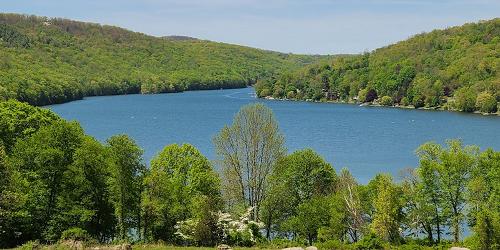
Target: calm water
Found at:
x=367, y=140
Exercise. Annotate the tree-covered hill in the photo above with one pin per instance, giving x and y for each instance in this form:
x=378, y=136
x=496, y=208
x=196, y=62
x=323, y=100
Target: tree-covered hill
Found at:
x=44, y=61
x=456, y=68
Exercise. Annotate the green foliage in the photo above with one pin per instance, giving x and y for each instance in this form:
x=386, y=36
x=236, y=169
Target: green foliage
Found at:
x=388, y=209
x=405, y=101
x=427, y=69
x=296, y=179
x=75, y=233
x=45, y=61
x=370, y=241
x=465, y=99
x=386, y=101
x=125, y=183
x=88, y=205
x=486, y=103
x=57, y=183
x=41, y=160
x=254, y=141
x=19, y=120
x=367, y=95
x=181, y=185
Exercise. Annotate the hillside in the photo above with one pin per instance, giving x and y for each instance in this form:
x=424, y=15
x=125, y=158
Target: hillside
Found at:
x=456, y=68
x=45, y=61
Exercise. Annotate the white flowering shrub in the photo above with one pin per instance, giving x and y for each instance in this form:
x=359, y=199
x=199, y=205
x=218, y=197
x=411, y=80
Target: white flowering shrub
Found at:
x=237, y=232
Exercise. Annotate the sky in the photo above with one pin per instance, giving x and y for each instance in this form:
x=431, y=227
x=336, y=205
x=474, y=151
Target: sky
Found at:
x=290, y=26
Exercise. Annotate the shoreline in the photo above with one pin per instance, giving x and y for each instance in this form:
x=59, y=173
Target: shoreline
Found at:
x=366, y=104
x=295, y=100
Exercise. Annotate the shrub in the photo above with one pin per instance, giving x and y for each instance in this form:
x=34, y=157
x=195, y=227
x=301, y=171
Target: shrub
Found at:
x=75, y=233
x=265, y=92
x=278, y=92
x=31, y=245
x=290, y=95
x=486, y=103
x=465, y=99
x=370, y=241
x=405, y=101
x=367, y=95
x=418, y=101
x=386, y=100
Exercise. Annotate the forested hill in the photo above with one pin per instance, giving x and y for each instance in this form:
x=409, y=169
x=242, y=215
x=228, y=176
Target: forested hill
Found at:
x=456, y=68
x=44, y=61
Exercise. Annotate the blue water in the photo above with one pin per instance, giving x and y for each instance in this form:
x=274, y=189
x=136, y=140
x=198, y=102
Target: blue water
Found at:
x=367, y=140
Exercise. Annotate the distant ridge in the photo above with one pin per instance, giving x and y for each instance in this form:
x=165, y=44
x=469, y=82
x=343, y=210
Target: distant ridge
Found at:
x=448, y=69
x=53, y=60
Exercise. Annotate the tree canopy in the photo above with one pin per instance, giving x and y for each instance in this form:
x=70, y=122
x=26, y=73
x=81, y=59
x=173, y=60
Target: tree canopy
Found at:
x=446, y=68
x=53, y=60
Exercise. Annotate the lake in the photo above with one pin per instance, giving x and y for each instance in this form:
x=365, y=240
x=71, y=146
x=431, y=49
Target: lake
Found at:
x=367, y=140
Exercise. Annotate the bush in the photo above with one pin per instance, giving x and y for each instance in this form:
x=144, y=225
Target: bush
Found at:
x=386, y=100
x=367, y=95
x=31, y=245
x=290, y=95
x=465, y=99
x=370, y=241
x=75, y=233
x=418, y=101
x=486, y=103
x=405, y=101
x=278, y=92
x=264, y=93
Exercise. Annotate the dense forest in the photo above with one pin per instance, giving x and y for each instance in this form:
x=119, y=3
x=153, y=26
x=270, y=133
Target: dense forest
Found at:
x=58, y=185
x=45, y=61
x=457, y=68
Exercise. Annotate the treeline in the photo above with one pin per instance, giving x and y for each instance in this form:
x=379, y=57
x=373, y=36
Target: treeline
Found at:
x=59, y=184
x=456, y=68
x=45, y=61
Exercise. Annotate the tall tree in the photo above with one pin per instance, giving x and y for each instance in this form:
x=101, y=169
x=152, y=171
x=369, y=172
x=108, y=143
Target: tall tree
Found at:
x=125, y=183
x=181, y=180
x=86, y=195
x=484, y=201
x=449, y=171
x=248, y=151
x=42, y=159
x=296, y=179
x=388, y=209
x=420, y=212
x=347, y=189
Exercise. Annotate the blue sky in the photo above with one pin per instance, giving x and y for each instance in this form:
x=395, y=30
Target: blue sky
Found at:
x=307, y=26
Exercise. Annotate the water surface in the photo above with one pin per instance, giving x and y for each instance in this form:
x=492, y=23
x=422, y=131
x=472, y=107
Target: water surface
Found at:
x=367, y=140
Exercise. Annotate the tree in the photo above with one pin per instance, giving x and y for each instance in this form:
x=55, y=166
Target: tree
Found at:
x=181, y=181
x=248, y=151
x=419, y=210
x=19, y=120
x=311, y=216
x=486, y=103
x=484, y=201
x=429, y=189
x=388, y=215
x=87, y=198
x=296, y=179
x=449, y=169
x=367, y=95
x=347, y=189
x=386, y=100
x=126, y=172
x=465, y=99
x=42, y=160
